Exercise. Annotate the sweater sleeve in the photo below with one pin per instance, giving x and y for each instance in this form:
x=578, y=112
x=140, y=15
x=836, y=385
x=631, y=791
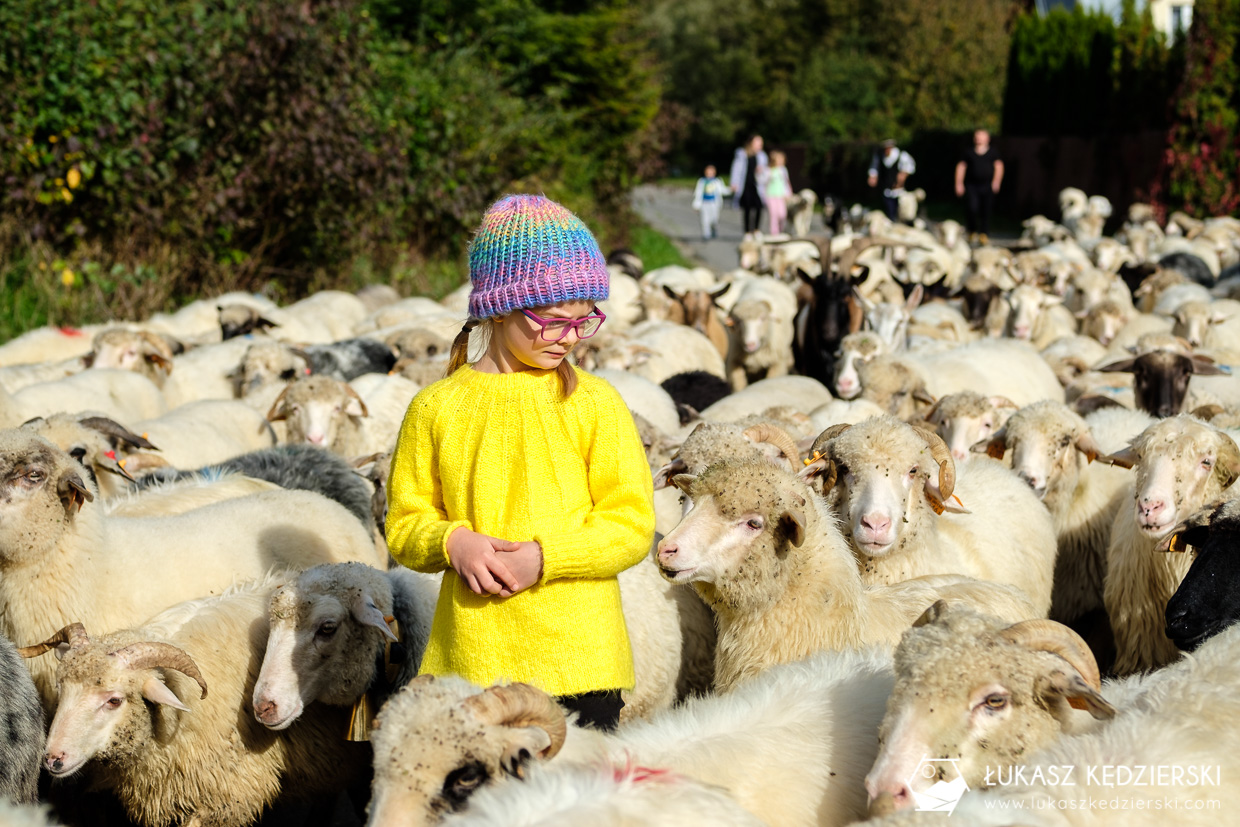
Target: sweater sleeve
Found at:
x=619, y=529
x=417, y=526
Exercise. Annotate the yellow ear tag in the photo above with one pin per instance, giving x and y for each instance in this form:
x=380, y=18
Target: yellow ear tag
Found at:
x=1177, y=543
x=817, y=456
x=122, y=462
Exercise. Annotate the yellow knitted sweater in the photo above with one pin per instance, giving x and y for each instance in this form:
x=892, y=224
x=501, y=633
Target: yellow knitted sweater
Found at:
x=505, y=455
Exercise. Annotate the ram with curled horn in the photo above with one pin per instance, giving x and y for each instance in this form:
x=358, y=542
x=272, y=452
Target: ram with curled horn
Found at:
x=895, y=488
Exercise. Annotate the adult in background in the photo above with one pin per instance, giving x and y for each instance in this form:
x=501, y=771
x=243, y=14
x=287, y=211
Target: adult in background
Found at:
x=978, y=176
x=890, y=167
x=748, y=165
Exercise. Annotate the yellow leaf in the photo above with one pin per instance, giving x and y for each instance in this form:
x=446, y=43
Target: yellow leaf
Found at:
x=65, y=194
x=74, y=177
x=67, y=278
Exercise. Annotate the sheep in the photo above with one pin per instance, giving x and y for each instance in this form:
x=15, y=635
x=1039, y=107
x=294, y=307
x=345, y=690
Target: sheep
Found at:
x=120, y=394
x=304, y=664
x=327, y=412
x=206, y=372
x=17, y=815
x=900, y=524
x=764, y=552
x=292, y=467
x=889, y=321
x=695, y=390
x=239, y=319
x=48, y=344
x=1181, y=463
x=140, y=351
x=697, y=309
x=1207, y=600
x=350, y=358
x=840, y=411
x=657, y=350
x=135, y=714
x=177, y=497
x=855, y=349
x=711, y=442
x=1052, y=450
x=801, y=211
x=330, y=640
x=604, y=796
x=1182, y=718
x=762, y=321
x=789, y=746
x=62, y=560
x=623, y=306
x=829, y=311
x=889, y=383
x=21, y=751
x=417, y=343
x=1161, y=370
x=1038, y=317
x=204, y=432
x=800, y=393
x=93, y=441
x=966, y=418
x=984, y=692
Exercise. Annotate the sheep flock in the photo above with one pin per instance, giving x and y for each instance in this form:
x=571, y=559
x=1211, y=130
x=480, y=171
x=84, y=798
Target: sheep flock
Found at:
x=944, y=535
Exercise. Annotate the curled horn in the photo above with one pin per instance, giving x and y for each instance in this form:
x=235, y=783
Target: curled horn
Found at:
x=162, y=348
x=112, y=428
x=774, y=435
x=521, y=705
x=1227, y=464
x=74, y=634
x=1048, y=636
x=941, y=454
x=151, y=655
x=275, y=412
x=826, y=436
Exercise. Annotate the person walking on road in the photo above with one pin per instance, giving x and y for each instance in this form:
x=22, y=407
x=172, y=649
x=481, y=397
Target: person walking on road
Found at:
x=748, y=166
x=890, y=167
x=707, y=198
x=978, y=177
x=777, y=187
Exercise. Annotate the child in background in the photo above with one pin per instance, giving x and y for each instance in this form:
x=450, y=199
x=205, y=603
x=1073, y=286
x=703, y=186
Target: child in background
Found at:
x=707, y=199
x=523, y=479
x=777, y=189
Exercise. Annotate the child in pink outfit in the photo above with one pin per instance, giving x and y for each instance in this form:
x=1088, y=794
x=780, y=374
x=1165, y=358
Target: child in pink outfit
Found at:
x=777, y=188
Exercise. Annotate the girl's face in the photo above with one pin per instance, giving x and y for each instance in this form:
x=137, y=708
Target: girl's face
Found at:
x=521, y=337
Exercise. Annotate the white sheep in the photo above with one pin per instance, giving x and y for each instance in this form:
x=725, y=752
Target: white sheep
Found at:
x=1053, y=450
x=963, y=419
x=855, y=350
x=602, y=796
x=1181, y=464
x=764, y=552
x=351, y=420
x=789, y=746
x=135, y=715
x=62, y=560
x=140, y=351
x=120, y=394
x=48, y=344
x=644, y=398
x=657, y=350
x=800, y=393
x=899, y=517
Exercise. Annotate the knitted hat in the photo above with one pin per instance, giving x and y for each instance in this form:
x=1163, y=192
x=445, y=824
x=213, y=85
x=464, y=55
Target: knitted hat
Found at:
x=531, y=251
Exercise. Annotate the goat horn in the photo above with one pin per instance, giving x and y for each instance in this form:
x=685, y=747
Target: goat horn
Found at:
x=1048, y=636
x=151, y=655
x=349, y=390
x=74, y=634
x=774, y=435
x=521, y=705
x=943, y=456
x=826, y=436
x=112, y=428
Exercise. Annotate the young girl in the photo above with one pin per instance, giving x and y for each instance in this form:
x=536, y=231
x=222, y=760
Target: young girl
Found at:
x=523, y=478
x=778, y=188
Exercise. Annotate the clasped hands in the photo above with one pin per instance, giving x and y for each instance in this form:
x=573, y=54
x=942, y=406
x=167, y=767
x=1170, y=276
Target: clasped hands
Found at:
x=489, y=565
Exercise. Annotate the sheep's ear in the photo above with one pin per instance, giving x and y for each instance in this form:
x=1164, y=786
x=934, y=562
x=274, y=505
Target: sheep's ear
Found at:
x=159, y=360
x=995, y=447
x=1069, y=686
x=1206, y=367
x=73, y=492
x=665, y=475
x=932, y=613
x=262, y=322
x=1124, y=459
x=140, y=461
x=1183, y=538
x=1086, y=445
x=365, y=612
x=157, y=692
x=1122, y=366
x=523, y=744
x=794, y=522
x=355, y=407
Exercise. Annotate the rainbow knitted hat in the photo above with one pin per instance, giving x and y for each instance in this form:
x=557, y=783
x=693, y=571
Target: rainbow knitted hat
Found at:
x=531, y=251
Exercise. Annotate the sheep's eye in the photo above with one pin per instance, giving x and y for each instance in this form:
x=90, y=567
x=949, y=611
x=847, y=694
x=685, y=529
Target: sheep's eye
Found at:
x=462, y=782
x=912, y=472
x=296, y=409
x=112, y=703
x=287, y=374
x=1207, y=463
x=755, y=524
x=995, y=702
x=431, y=350
x=327, y=628
x=35, y=476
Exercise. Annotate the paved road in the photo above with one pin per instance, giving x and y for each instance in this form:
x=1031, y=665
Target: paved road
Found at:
x=670, y=211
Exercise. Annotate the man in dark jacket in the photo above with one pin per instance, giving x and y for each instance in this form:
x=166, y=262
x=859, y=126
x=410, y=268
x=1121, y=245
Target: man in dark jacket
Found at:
x=978, y=176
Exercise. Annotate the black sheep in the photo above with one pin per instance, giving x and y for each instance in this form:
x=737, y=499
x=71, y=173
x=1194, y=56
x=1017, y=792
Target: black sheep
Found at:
x=21, y=740
x=1190, y=265
x=348, y=359
x=1208, y=599
x=696, y=390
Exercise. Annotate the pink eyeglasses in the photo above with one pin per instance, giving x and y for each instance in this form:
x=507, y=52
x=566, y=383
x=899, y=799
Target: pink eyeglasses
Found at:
x=553, y=330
